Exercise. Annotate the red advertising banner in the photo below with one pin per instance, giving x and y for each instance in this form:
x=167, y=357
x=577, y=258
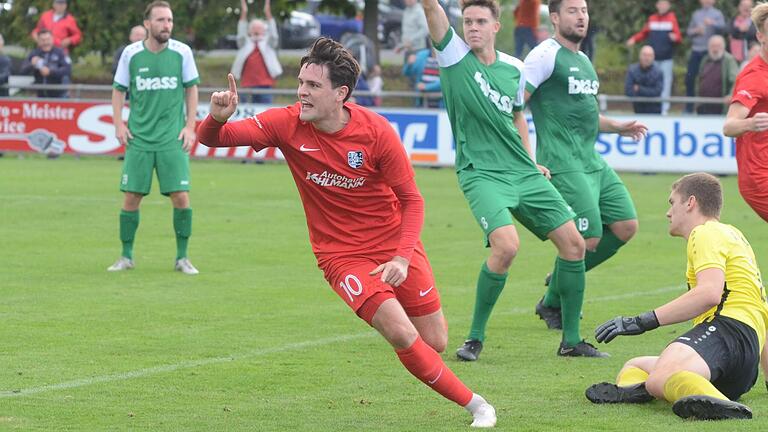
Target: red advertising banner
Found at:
x=54, y=127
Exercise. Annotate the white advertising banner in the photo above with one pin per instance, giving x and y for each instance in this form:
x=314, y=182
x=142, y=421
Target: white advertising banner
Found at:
x=673, y=143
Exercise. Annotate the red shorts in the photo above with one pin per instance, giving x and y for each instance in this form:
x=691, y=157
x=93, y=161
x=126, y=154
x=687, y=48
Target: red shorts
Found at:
x=756, y=195
x=349, y=277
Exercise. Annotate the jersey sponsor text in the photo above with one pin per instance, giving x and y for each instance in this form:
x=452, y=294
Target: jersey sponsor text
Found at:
x=156, y=83
x=582, y=86
x=327, y=179
x=503, y=102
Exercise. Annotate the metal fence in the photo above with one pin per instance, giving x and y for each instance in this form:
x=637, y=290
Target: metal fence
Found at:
x=93, y=91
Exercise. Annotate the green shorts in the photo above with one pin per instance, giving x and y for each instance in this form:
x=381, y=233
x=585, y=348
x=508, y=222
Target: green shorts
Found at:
x=494, y=197
x=172, y=171
x=598, y=198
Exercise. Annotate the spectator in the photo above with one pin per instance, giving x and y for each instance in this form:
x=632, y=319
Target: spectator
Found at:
x=423, y=70
x=663, y=33
x=376, y=83
x=49, y=64
x=705, y=22
x=717, y=75
x=526, y=25
x=362, y=86
x=256, y=64
x=742, y=31
x=754, y=50
x=645, y=79
x=5, y=69
x=138, y=33
x=413, y=28
x=66, y=33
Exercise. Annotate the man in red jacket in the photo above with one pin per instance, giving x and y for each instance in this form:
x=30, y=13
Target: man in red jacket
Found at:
x=66, y=33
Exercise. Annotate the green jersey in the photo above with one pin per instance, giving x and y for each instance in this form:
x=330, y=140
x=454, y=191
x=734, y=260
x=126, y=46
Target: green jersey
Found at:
x=563, y=86
x=157, y=83
x=480, y=100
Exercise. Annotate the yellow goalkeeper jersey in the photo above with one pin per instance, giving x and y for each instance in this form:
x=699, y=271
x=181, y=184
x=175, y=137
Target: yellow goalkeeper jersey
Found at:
x=717, y=245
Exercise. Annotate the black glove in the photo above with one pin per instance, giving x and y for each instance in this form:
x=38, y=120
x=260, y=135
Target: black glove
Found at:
x=626, y=326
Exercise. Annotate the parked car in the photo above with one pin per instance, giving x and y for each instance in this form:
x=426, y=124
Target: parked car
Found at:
x=299, y=30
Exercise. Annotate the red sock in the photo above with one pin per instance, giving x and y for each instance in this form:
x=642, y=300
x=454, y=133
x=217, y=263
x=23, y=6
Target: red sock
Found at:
x=425, y=364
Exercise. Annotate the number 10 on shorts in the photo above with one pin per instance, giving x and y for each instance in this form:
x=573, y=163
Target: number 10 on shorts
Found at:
x=352, y=286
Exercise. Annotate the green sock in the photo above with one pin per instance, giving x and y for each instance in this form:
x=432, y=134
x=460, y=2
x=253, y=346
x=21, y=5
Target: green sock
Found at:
x=570, y=285
x=489, y=286
x=129, y=223
x=552, y=297
x=182, y=225
x=607, y=248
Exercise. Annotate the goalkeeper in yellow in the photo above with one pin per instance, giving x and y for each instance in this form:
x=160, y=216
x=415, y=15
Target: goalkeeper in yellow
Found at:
x=704, y=371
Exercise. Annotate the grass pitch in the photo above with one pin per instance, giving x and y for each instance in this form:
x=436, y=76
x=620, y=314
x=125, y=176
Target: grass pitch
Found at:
x=259, y=342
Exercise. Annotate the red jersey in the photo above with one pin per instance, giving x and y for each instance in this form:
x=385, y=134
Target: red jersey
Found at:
x=752, y=147
x=345, y=179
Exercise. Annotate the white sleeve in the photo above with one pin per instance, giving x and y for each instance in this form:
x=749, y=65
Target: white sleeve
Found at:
x=188, y=67
x=520, y=99
x=451, y=49
x=539, y=64
x=122, y=74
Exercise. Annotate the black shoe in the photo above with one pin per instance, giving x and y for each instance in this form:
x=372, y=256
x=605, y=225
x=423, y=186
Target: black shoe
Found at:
x=470, y=351
x=551, y=316
x=710, y=408
x=581, y=349
x=611, y=393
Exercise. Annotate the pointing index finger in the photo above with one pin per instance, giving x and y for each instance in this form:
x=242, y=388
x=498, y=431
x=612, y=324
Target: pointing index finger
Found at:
x=232, y=83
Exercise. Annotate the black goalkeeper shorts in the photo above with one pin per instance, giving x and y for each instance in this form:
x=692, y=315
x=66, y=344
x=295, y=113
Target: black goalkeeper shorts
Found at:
x=731, y=350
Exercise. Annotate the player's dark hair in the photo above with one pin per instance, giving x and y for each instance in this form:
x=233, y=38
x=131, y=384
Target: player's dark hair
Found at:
x=707, y=190
x=492, y=5
x=44, y=31
x=554, y=6
x=155, y=4
x=343, y=69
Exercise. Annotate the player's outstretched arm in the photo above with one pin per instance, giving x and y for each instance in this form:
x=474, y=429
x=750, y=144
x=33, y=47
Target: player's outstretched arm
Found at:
x=632, y=128
x=224, y=103
x=737, y=123
x=437, y=21
x=705, y=295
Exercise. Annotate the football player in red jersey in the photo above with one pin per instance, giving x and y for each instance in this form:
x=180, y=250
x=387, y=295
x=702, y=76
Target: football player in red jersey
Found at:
x=747, y=120
x=364, y=211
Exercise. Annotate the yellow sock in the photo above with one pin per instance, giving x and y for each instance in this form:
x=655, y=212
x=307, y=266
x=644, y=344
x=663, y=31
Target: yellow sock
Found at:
x=686, y=383
x=631, y=376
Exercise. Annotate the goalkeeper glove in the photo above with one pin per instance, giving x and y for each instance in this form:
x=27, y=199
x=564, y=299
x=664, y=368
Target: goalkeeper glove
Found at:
x=626, y=326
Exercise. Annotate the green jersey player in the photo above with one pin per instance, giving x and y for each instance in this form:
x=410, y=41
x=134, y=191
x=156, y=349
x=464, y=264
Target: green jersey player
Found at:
x=162, y=78
x=483, y=91
x=561, y=91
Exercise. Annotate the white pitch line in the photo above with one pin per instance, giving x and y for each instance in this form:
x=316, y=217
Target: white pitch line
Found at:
x=183, y=365
x=290, y=347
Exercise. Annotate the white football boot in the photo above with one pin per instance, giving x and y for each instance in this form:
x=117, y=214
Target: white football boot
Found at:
x=121, y=264
x=185, y=266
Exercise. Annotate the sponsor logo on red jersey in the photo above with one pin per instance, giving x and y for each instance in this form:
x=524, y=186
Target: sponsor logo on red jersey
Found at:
x=327, y=179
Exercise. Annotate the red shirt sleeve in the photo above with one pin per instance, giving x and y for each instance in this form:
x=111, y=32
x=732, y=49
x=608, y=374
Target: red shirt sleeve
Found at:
x=396, y=171
x=75, y=34
x=394, y=165
x=260, y=131
x=412, y=205
x=748, y=89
